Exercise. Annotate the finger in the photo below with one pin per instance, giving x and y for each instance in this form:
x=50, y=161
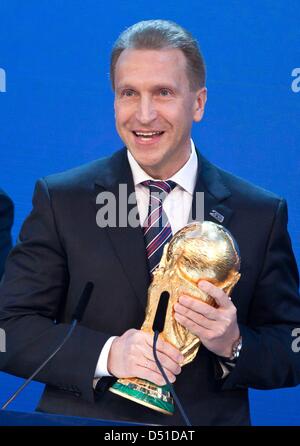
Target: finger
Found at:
x=198, y=318
x=200, y=307
x=166, y=362
x=222, y=299
x=166, y=348
x=213, y=314
x=198, y=330
x=154, y=376
x=151, y=365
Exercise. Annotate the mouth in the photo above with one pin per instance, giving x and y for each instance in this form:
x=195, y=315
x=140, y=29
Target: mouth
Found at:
x=147, y=137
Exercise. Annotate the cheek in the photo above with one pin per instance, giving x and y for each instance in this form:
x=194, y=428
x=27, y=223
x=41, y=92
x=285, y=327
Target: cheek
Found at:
x=178, y=114
x=171, y=114
x=189, y=105
x=123, y=114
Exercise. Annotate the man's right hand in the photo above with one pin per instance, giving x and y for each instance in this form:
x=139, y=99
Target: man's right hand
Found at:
x=131, y=355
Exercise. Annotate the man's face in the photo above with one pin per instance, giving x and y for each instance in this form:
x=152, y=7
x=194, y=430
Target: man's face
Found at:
x=155, y=109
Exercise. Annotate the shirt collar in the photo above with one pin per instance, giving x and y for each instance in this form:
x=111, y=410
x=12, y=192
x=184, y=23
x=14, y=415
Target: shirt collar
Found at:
x=185, y=177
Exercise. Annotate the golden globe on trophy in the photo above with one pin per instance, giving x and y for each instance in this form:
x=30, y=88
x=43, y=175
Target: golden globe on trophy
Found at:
x=199, y=251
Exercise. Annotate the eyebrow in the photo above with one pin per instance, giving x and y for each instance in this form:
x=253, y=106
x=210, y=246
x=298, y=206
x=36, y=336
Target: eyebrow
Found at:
x=125, y=86
x=154, y=88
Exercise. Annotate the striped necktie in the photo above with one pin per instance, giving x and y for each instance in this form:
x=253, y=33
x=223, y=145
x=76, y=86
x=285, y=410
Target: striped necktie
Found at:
x=157, y=229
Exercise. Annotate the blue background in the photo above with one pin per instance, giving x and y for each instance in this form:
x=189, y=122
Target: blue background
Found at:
x=57, y=111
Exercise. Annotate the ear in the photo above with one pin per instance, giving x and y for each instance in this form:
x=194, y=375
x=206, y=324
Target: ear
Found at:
x=200, y=101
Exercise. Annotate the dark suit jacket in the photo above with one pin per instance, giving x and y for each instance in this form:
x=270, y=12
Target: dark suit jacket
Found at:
x=6, y=222
x=61, y=248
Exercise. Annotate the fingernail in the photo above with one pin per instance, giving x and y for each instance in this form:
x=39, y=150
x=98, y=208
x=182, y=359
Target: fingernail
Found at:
x=202, y=285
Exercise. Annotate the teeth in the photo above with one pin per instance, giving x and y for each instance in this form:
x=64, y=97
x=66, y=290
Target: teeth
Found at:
x=147, y=134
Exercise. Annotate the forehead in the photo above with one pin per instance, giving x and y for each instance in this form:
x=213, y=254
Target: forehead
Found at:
x=145, y=66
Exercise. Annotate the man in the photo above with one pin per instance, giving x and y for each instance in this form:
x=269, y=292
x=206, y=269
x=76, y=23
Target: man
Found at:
x=6, y=222
x=158, y=76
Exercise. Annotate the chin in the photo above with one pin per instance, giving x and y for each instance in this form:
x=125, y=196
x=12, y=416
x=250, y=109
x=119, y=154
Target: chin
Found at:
x=146, y=156
x=149, y=161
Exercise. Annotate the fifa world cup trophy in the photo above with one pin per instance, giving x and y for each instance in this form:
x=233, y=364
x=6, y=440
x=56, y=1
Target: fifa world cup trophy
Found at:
x=199, y=251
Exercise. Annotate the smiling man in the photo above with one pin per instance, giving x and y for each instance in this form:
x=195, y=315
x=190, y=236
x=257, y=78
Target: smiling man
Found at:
x=155, y=107
x=158, y=76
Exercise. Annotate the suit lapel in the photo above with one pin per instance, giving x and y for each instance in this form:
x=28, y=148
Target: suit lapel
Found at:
x=215, y=192
x=127, y=242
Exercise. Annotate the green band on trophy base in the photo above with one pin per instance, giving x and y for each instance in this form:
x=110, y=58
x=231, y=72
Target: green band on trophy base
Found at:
x=163, y=402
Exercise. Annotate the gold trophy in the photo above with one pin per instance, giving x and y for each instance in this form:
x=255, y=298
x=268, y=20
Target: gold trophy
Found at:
x=199, y=251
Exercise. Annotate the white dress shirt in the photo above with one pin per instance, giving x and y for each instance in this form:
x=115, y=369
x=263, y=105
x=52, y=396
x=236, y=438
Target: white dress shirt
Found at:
x=178, y=215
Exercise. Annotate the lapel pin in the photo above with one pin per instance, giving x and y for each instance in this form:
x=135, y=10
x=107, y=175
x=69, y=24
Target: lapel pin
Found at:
x=215, y=214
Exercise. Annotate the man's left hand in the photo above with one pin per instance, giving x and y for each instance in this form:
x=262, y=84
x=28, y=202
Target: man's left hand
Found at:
x=217, y=328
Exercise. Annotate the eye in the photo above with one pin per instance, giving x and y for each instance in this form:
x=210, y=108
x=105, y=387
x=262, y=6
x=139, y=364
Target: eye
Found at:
x=127, y=93
x=164, y=92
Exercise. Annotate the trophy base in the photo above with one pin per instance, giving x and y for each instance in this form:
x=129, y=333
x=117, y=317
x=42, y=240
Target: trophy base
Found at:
x=145, y=393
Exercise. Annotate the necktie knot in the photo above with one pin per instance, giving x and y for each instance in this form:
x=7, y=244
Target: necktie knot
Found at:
x=160, y=188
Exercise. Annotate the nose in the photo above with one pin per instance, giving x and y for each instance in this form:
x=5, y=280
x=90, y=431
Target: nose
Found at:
x=146, y=111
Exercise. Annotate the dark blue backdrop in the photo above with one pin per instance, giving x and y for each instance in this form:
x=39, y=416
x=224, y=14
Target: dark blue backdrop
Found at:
x=57, y=110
